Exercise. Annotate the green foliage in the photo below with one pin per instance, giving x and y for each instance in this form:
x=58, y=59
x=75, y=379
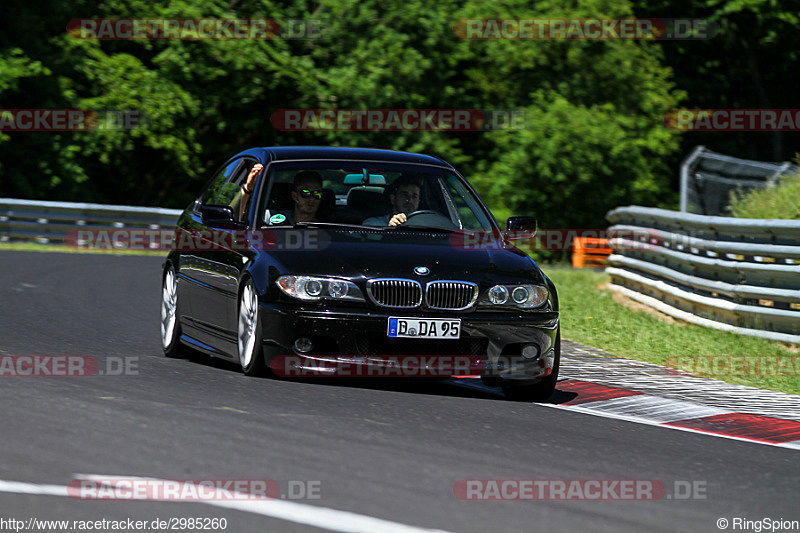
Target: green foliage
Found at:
x=594, y=135
x=749, y=64
x=781, y=201
x=533, y=175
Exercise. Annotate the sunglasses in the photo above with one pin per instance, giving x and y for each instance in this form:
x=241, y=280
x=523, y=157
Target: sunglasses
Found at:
x=308, y=193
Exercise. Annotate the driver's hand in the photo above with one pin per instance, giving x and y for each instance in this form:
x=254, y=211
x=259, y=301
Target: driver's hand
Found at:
x=398, y=219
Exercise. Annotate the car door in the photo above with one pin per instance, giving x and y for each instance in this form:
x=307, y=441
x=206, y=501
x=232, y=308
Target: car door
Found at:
x=214, y=263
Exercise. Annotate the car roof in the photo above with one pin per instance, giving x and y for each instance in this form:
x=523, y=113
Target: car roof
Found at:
x=285, y=153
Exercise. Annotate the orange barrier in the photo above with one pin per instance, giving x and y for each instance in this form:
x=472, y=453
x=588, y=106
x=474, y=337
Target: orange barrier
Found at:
x=590, y=251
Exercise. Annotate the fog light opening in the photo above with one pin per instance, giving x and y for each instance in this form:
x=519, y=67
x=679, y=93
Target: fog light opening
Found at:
x=303, y=345
x=530, y=351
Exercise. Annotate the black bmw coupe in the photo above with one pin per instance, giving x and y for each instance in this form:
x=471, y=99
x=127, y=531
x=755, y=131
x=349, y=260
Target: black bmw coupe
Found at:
x=342, y=254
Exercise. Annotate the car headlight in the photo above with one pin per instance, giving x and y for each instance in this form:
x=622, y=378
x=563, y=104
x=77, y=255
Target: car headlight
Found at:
x=313, y=287
x=310, y=288
x=522, y=296
x=498, y=295
x=337, y=289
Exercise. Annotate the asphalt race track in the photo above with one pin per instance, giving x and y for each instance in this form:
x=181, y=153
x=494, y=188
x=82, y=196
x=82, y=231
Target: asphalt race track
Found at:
x=388, y=451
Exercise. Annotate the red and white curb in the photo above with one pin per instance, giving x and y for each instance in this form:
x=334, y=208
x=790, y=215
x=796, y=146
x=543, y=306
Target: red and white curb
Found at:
x=625, y=404
x=585, y=363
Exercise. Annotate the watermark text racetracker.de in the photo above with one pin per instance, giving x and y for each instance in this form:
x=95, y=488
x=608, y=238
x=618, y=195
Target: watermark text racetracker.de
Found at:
x=67, y=366
x=453, y=120
x=735, y=365
x=192, y=490
x=578, y=490
x=733, y=119
x=379, y=366
x=37, y=120
x=592, y=29
x=556, y=239
x=194, y=29
x=143, y=239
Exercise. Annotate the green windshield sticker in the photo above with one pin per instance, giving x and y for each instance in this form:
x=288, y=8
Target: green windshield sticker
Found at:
x=277, y=219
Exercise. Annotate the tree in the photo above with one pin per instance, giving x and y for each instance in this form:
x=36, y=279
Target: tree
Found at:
x=594, y=135
x=749, y=63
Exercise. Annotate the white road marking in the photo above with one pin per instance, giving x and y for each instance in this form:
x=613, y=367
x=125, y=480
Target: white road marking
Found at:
x=654, y=408
x=300, y=513
x=20, y=487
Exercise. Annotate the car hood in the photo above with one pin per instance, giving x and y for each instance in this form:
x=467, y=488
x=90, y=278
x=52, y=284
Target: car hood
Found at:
x=355, y=254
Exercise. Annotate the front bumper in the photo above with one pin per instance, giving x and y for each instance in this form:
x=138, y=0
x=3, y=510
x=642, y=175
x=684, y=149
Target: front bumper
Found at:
x=494, y=339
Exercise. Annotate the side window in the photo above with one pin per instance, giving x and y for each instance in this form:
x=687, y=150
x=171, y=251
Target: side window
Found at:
x=223, y=187
x=226, y=187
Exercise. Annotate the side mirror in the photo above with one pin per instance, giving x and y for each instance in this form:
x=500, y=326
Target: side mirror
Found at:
x=521, y=223
x=220, y=216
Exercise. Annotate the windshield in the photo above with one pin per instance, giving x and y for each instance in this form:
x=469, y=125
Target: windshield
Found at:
x=370, y=193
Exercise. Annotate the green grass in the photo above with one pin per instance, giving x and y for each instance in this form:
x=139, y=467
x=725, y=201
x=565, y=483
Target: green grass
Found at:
x=590, y=315
x=782, y=201
x=35, y=247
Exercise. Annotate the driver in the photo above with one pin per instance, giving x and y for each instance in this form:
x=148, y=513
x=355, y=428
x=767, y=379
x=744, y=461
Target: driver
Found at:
x=404, y=198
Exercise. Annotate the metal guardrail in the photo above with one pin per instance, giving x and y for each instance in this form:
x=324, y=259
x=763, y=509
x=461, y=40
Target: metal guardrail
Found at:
x=51, y=222
x=708, y=178
x=735, y=274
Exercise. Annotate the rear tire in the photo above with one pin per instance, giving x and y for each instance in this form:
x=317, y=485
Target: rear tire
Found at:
x=542, y=390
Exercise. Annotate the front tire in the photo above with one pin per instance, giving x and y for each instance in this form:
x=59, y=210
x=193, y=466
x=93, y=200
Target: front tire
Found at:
x=542, y=390
x=170, y=321
x=251, y=354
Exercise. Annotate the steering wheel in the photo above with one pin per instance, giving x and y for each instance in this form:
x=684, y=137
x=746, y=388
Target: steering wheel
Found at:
x=422, y=212
x=429, y=217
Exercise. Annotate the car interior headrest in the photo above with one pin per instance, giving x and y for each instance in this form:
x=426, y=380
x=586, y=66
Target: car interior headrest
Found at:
x=366, y=199
x=280, y=197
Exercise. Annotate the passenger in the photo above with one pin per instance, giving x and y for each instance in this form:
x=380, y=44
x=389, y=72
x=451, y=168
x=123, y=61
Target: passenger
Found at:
x=306, y=194
x=307, y=197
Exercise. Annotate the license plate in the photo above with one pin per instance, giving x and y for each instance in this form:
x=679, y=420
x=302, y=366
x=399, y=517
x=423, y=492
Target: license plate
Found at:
x=424, y=328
